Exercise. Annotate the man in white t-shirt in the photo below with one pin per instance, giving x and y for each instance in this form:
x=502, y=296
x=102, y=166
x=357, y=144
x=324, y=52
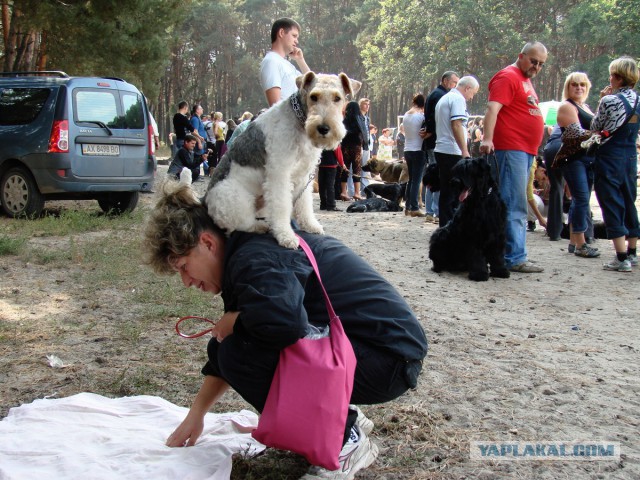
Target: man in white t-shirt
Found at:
x=277, y=74
x=451, y=143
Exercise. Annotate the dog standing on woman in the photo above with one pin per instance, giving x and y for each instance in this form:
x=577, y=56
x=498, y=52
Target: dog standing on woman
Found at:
x=266, y=174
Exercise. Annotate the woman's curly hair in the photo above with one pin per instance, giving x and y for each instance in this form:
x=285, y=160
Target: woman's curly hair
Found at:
x=174, y=226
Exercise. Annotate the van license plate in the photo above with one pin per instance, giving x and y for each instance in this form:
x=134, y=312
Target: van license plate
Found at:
x=92, y=149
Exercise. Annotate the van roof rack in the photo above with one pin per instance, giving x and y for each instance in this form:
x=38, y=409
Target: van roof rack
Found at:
x=44, y=73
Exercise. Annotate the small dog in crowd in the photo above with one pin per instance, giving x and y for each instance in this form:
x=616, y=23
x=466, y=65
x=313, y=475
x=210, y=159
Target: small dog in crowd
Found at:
x=265, y=175
x=431, y=177
x=390, y=172
x=391, y=191
x=375, y=204
x=475, y=235
x=599, y=230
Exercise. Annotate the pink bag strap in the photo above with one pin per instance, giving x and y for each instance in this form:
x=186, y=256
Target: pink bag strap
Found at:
x=312, y=259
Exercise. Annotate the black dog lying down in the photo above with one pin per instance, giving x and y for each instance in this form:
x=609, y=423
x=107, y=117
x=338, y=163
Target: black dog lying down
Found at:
x=599, y=230
x=475, y=235
x=431, y=177
x=375, y=204
x=391, y=191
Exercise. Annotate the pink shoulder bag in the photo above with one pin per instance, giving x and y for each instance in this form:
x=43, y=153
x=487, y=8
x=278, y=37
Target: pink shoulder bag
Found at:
x=307, y=405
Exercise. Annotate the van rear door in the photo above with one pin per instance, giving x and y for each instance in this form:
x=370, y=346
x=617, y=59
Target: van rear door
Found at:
x=108, y=132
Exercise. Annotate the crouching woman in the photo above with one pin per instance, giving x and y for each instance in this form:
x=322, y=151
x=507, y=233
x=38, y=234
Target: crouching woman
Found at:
x=271, y=299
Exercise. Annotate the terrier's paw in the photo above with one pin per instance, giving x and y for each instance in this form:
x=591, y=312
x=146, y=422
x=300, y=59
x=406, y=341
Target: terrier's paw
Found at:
x=287, y=240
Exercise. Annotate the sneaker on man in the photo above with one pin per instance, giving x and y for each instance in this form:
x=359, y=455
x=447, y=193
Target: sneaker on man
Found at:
x=587, y=252
x=617, y=265
x=358, y=453
x=633, y=260
x=526, y=267
x=428, y=218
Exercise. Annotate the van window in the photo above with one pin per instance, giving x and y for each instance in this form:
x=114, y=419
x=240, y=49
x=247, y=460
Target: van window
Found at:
x=21, y=106
x=133, y=113
x=102, y=106
x=96, y=106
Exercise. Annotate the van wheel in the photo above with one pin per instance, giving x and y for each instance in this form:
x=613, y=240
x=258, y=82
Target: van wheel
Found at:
x=19, y=194
x=119, y=202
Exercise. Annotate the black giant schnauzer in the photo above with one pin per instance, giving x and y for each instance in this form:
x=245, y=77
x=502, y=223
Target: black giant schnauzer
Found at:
x=475, y=235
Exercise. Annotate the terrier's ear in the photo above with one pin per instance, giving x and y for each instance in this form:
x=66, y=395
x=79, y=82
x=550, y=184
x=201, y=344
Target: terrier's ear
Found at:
x=185, y=176
x=304, y=82
x=351, y=87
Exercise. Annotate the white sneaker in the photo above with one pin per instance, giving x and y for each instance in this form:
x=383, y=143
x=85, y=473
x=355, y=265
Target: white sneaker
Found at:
x=358, y=453
x=633, y=260
x=362, y=421
x=615, y=264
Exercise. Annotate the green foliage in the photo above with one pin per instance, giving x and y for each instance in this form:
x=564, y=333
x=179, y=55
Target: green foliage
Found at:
x=209, y=52
x=68, y=222
x=10, y=245
x=119, y=38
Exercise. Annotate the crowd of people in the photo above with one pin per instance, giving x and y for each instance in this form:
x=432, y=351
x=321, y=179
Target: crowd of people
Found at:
x=535, y=188
x=436, y=129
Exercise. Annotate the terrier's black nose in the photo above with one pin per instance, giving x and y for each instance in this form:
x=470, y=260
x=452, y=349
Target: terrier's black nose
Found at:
x=323, y=129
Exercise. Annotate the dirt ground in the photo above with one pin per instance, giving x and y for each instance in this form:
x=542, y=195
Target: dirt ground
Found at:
x=550, y=357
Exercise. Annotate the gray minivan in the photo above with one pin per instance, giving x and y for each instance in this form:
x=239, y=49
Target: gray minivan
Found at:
x=64, y=138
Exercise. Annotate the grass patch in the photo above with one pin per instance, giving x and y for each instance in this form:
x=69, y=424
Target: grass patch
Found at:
x=271, y=464
x=70, y=222
x=11, y=246
x=138, y=382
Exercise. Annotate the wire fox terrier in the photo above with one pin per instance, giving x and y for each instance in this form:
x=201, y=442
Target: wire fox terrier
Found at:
x=265, y=176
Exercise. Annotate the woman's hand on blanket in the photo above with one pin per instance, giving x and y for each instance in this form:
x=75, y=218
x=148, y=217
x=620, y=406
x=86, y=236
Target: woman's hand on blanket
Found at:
x=224, y=326
x=187, y=433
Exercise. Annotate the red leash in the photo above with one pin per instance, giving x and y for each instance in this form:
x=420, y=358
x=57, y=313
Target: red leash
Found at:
x=194, y=335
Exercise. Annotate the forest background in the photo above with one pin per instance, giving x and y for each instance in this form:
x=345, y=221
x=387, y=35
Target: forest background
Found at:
x=209, y=52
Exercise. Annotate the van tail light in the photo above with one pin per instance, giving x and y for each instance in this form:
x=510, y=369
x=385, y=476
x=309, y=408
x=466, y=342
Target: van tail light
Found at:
x=59, y=138
x=152, y=144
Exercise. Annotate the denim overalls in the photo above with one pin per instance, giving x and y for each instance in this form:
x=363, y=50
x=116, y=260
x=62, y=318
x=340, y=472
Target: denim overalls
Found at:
x=616, y=174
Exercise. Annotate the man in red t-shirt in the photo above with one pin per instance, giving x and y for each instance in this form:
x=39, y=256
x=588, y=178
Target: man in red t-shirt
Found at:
x=513, y=127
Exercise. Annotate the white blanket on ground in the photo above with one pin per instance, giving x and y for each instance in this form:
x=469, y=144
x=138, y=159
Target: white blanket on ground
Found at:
x=88, y=436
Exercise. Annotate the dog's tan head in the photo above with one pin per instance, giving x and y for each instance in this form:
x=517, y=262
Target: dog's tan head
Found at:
x=324, y=97
x=374, y=165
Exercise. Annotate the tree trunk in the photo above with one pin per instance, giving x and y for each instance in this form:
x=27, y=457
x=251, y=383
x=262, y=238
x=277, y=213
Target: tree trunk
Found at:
x=42, y=57
x=6, y=22
x=10, y=45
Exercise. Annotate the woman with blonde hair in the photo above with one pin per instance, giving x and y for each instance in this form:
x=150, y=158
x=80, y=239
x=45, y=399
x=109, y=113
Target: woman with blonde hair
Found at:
x=219, y=127
x=616, y=165
x=574, y=118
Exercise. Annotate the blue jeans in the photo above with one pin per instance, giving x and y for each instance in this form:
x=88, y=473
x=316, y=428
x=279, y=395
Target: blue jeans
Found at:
x=579, y=176
x=429, y=198
x=616, y=174
x=415, y=164
x=513, y=167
